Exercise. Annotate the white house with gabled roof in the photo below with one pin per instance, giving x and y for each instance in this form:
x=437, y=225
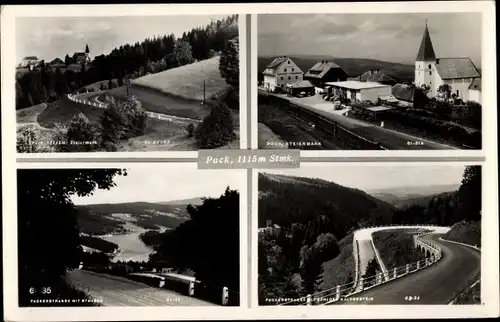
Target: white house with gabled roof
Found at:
x=280, y=72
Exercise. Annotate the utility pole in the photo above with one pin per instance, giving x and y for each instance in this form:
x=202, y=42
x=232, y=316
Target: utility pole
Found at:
x=203, y=92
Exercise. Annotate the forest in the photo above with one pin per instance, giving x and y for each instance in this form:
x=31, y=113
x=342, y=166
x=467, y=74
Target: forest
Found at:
x=45, y=83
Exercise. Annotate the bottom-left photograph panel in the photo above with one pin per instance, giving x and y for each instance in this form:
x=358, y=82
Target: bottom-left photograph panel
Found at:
x=128, y=235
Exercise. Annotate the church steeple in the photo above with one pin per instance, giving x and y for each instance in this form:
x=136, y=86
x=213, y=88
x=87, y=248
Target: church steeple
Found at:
x=426, y=51
x=87, y=51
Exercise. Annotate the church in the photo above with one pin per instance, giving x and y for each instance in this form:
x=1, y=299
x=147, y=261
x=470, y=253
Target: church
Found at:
x=433, y=72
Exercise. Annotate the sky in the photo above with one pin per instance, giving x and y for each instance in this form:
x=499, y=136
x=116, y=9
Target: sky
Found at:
x=51, y=37
x=160, y=184
x=388, y=37
x=379, y=177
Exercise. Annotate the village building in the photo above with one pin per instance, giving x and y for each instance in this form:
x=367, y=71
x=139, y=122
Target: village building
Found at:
x=433, y=72
x=303, y=86
x=360, y=91
x=280, y=72
x=29, y=62
x=82, y=57
x=323, y=72
x=475, y=91
x=375, y=76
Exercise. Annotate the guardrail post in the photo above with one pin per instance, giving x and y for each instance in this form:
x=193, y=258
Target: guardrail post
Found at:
x=191, y=288
x=337, y=293
x=309, y=299
x=80, y=266
x=225, y=295
x=379, y=278
x=395, y=274
x=407, y=268
x=418, y=265
x=162, y=282
x=361, y=282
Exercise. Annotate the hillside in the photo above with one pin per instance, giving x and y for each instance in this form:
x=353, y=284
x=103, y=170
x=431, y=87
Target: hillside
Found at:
x=352, y=66
x=97, y=219
x=287, y=199
x=187, y=81
x=467, y=232
x=405, y=201
x=404, y=196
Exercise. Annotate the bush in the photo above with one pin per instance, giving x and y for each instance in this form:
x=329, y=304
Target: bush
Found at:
x=80, y=136
x=122, y=120
x=216, y=130
x=28, y=141
x=190, y=130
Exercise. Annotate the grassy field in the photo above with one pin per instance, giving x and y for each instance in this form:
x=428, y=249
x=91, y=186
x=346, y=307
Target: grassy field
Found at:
x=396, y=247
x=341, y=269
x=467, y=232
x=187, y=81
x=158, y=102
x=284, y=127
x=63, y=110
x=30, y=114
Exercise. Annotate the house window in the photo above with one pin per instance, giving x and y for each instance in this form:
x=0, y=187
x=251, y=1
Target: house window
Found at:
x=289, y=77
x=430, y=73
x=430, y=66
x=288, y=62
x=293, y=69
x=296, y=77
x=285, y=70
x=281, y=77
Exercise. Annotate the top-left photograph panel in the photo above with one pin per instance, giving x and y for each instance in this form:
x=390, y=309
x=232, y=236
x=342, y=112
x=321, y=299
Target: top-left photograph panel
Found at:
x=127, y=83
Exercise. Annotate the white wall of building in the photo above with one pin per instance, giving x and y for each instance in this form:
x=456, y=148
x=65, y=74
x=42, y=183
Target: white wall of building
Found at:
x=474, y=96
x=286, y=73
x=372, y=94
x=424, y=72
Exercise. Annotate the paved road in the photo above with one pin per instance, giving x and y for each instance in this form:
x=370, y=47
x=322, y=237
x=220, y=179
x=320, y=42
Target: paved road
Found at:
x=390, y=139
x=433, y=285
x=117, y=291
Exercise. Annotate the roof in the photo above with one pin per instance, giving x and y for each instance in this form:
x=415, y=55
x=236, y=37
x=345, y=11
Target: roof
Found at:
x=476, y=84
x=301, y=84
x=376, y=77
x=403, y=92
x=452, y=68
x=79, y=54
x=426, y=51
x=380, y=108
x=30, y=58
x=277, y=62
x=323, y=68
x=57, y=61
x=356, y=84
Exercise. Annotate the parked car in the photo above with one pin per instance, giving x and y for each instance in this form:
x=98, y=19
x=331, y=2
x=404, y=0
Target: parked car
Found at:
x=326, y=97
x=302, y=94
x=337, y=105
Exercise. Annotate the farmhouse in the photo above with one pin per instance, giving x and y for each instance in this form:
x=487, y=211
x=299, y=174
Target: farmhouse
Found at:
x=403, y=92
x=324, y=71
x=475, y=91
x=375, y=76
x=433, y=72
x=29, y=61
x=370, y=111
x=360, y=91
x=281, y=71
x=296, y=88
x=56, y=61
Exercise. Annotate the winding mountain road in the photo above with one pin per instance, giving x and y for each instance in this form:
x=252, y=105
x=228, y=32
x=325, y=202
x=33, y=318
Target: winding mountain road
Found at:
x=118, y=291
x=437, y=284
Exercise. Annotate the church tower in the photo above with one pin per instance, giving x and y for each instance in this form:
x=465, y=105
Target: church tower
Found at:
x=87, y=53
x=425, y=62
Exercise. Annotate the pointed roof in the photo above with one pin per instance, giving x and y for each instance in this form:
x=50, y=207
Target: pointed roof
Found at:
x=87, y=49
x=426, y=51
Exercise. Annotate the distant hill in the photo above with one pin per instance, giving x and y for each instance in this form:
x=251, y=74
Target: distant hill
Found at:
x=96, y=219
x=286, y=200
x=400, y=197
x=352, y=66
x=183, y=202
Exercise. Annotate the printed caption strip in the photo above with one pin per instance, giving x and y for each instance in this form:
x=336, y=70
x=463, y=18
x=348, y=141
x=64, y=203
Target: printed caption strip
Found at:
x=248, y=159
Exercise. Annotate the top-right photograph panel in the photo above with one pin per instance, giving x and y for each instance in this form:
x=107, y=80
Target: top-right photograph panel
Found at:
x=394, y=81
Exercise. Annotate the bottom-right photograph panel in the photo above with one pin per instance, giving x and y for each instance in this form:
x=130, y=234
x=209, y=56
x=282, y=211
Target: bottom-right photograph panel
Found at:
x=379, y=233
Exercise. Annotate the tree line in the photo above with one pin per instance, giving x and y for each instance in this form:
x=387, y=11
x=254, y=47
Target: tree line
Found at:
x=46, y=84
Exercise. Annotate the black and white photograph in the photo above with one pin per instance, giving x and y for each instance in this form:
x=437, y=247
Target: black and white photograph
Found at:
x=370, y=234
x=159, y=235
x=381, y=81
x=127, y=83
